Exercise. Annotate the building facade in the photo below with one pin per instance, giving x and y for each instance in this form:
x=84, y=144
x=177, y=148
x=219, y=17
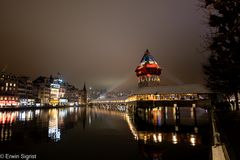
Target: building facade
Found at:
x=41, y=90
x=72, y=95
x=8, y=90
x=25, y=91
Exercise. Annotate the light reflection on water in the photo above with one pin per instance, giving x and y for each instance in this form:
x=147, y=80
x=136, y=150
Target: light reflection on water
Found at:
x=53, y=130
x=55, y=118
x=149, y=127
x=160, y=129
x=149, y=136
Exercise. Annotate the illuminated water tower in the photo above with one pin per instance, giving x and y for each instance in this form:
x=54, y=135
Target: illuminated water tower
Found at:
x=148, y=71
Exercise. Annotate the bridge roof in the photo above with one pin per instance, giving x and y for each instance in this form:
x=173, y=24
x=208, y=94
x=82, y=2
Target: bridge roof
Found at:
x=176, y=89
x=110, y=99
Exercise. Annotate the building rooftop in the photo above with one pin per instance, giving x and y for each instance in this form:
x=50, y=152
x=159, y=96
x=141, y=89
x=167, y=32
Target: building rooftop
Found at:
x=174, y=89
x=148, y=66
x=148, y=58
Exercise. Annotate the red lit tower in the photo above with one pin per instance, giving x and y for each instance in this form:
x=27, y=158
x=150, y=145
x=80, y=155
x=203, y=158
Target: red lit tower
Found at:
x=148, y=71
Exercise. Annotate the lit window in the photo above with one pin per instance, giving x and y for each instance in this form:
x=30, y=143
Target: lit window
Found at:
x=1, y=98
x=10, y=84
x=5, y=98
x=6, y=88
x=6, y=84
x=14, y=85
x=10, y=88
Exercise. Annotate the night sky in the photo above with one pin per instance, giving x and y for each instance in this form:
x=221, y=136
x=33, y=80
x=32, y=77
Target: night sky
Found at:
x=102, y=41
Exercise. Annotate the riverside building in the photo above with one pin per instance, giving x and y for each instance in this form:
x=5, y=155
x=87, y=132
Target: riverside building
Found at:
x=8, y=90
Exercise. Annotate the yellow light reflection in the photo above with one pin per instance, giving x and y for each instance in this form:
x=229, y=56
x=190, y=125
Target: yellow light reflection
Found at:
x=193, y=140
x=53, y=130
x=159, y=137
x=155, y=138
x=174, y=138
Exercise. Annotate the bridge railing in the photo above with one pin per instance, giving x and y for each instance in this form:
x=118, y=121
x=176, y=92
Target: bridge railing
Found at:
x=219, y=151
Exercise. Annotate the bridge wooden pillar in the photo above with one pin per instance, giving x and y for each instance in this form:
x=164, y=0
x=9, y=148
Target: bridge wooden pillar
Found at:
x=195, y=118
x=177, y=116
x=164, y=115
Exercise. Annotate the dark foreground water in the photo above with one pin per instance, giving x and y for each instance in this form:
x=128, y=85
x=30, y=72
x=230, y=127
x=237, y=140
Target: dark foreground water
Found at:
x=91, y=133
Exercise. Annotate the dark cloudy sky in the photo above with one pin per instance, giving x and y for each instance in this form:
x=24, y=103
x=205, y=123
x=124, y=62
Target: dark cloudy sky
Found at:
x=102, y=41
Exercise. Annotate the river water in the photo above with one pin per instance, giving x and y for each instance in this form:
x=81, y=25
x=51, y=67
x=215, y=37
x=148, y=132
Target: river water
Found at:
x=91, y=133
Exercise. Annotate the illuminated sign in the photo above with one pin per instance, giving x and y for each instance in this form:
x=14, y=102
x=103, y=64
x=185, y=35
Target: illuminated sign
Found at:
x=54, y=91
x=6, y=102
x=55, y=85
x=63, y=100
x=54, y=101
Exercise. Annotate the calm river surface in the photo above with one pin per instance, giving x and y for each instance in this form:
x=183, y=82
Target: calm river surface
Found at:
x=90, y=133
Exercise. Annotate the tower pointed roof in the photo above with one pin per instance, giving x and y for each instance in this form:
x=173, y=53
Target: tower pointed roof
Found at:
x=148, y=65
x=148, y=58
x=84, y=87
